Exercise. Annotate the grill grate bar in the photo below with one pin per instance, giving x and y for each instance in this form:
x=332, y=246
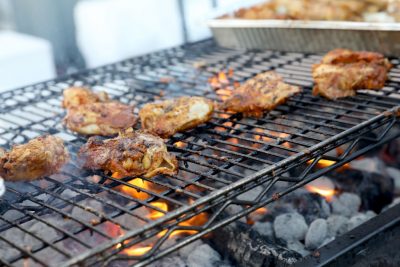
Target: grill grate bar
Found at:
x=214, y=158
x=62, y=213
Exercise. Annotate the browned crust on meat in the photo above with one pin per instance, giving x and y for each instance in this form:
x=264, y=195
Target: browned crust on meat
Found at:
x=100, y=118
x=40, y=157
x=129, y=154
x=175, y=115
x=264, y=92
x=342, y=72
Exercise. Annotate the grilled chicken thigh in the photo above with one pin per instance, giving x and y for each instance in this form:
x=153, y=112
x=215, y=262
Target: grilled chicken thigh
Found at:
x=175, y=115
x=342, y=72
x=263, y=92
x=77, y=96
x=129, y=154
x=40, y=157
x=100, y=118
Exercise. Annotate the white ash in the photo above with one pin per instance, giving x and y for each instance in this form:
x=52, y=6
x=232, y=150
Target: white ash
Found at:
x=2, y=187
x=373, y=165
x=316, y=234
x=395, y=174
x=68, y=194
x=290, y=226
x=235, y=209
x=188, y=249
x=251, y=194
x=132, y=222
x=298, y=247
x=347, y=204
x=337, y=225
x=203, y=256
x=84, y=215
x=325, y=207
x=23, y=239
x=359, y=219
x=168, y=262
x=13, y=215
x=264, y=229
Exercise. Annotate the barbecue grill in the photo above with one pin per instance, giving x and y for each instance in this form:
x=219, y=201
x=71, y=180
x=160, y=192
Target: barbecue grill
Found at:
x=218, y=161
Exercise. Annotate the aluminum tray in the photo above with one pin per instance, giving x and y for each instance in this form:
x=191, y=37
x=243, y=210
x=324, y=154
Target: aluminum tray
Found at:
x=307, y=36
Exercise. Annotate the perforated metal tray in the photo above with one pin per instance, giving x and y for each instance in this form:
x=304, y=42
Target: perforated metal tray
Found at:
x=307, y=36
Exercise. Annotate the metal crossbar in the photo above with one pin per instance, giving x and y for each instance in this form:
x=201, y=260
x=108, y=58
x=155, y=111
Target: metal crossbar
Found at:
x=101, y=216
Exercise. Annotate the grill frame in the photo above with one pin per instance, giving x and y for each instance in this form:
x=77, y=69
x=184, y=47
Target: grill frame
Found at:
x=176, y=59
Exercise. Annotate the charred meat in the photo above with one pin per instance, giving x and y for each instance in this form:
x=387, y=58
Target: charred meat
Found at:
x=40, y=157
x=261, y=93
x=129, y=154
x=175, y=115
x=342, y=72
x=104, y=119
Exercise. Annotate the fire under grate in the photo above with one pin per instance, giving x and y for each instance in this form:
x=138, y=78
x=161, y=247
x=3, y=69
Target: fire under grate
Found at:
x=103, y=219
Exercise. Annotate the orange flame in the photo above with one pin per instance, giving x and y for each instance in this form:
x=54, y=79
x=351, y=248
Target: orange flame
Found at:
x=221, y=79
x=224, y=94
x=136, y=193
x=137, y=251
x=154, y=214
x=322, y=186
x=180, y=144
x=198, y=220
x=323, y=163
x=327, y=193
x=256, y=215
x=114, y=230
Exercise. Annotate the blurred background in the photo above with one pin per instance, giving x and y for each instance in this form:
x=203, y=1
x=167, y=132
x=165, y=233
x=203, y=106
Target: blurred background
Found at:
x=42, y=39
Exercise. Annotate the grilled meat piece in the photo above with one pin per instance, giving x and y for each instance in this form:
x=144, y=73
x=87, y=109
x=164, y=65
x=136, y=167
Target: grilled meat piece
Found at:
x=100, y=118
x=40, y=157
x=175, y=115
x=77, y=96
x=129, y=154
x=306, y=10
x=263, y=92
x=342, y=72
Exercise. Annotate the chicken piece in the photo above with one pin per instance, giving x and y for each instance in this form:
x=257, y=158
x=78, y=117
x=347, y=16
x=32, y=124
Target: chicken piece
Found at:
x=263, y=92
x=129, y=154
x=104, y=119
x=77, y=96
x=342, y=72
x=305, y=10
x=175, y=115
x=40, y=157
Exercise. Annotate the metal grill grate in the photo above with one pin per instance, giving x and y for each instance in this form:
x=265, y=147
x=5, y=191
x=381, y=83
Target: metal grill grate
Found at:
x=83, y=217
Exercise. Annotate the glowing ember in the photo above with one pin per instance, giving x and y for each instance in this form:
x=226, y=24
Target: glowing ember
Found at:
x=261, y=137
x=323, y=163
x=136, y=193
x=180, y=144
x=224, y=94
x=222, y=78
x=154, y=214
x=256, y=215
x=139, y=251
x=198, y=220
x=322, y=186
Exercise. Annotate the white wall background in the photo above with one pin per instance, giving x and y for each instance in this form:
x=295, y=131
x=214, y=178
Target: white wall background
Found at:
x=112, y=30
